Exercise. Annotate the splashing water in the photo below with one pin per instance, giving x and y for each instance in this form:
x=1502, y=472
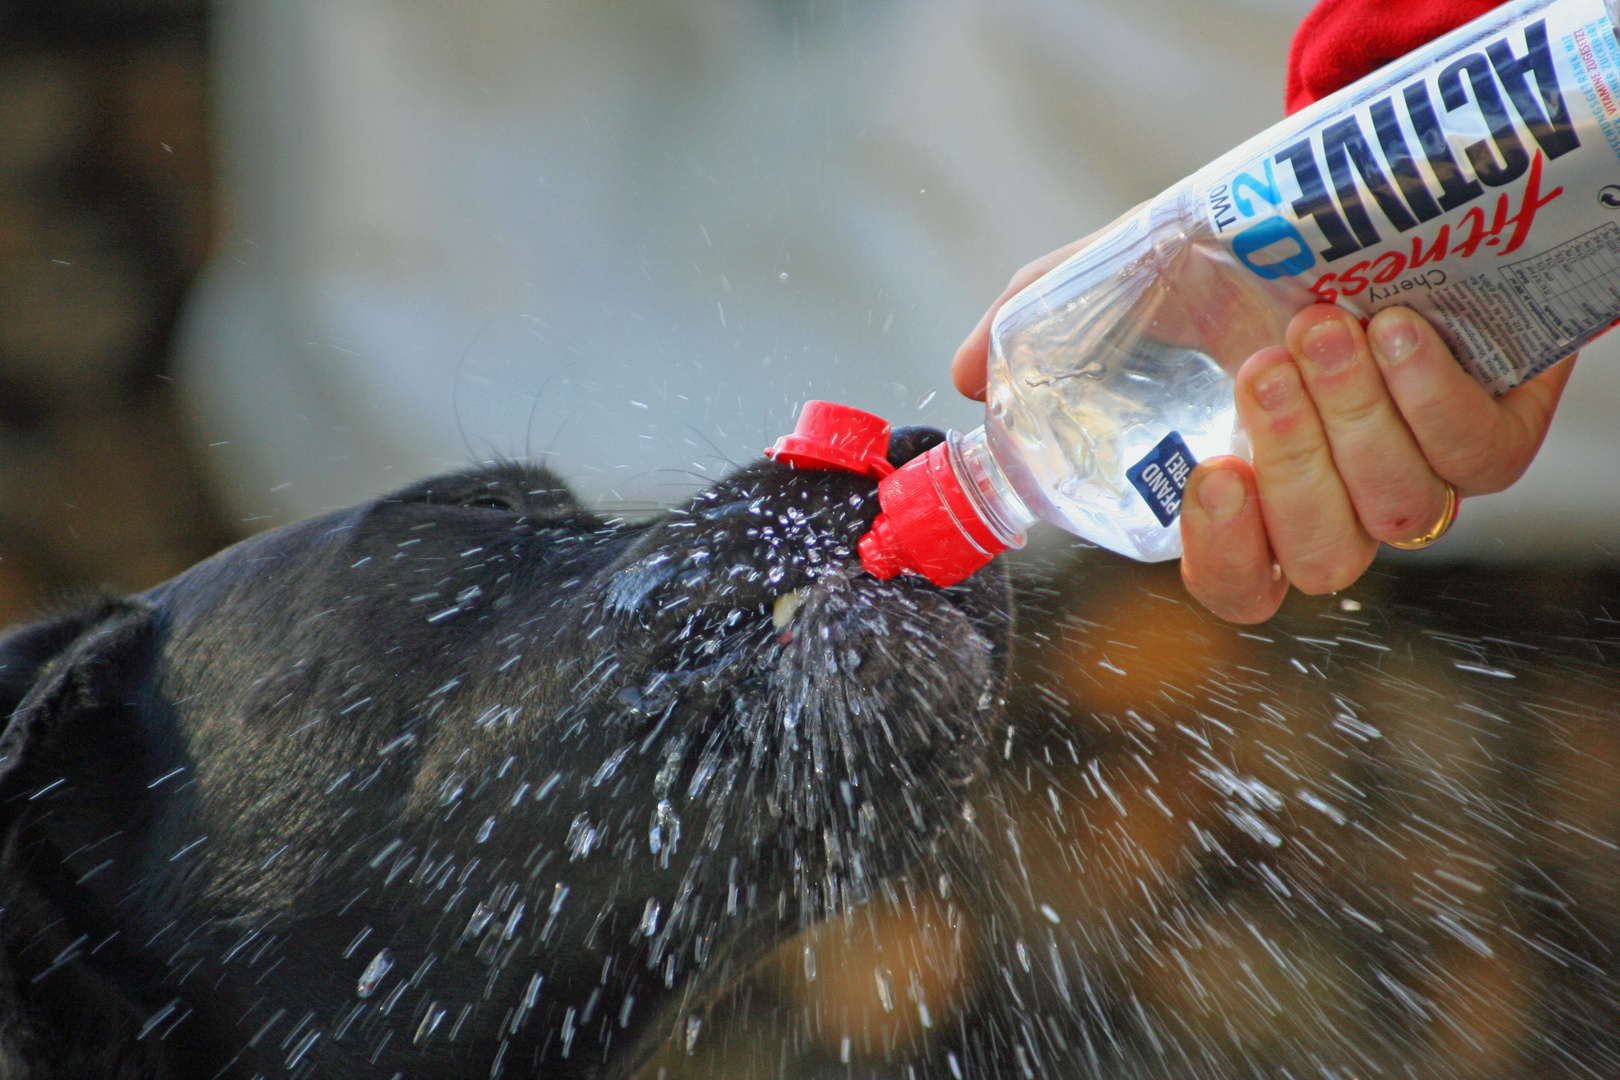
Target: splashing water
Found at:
x=374, y=973
x=1378, y=834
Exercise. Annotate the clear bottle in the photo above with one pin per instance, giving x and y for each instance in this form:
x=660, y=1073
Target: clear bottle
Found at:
x=1473, y=181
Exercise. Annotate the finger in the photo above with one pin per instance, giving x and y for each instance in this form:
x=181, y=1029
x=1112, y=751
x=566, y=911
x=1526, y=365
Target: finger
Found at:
x=1226, y=560
x=1310, y=520
x=1479, y=443
x=1395, y=493
x=968, y=367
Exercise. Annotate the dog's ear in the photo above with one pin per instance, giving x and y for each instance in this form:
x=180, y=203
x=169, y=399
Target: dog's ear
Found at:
x=83, y=663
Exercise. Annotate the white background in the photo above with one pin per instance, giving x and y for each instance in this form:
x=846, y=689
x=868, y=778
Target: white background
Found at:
x=630, y=237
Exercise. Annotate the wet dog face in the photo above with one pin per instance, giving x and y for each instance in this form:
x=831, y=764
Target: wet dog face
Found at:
x=469, y=782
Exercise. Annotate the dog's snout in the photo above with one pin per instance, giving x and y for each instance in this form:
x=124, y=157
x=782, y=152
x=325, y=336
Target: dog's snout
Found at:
x=906, y=443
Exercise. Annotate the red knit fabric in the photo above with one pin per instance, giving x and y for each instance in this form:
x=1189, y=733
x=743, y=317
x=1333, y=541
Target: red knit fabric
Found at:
x=1342, y=40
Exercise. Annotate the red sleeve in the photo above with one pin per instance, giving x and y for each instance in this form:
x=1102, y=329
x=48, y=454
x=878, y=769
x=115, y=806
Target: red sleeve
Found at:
x=1342, y=40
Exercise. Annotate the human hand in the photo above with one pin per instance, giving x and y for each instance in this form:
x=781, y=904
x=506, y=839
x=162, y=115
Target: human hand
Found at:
x=1356, y=435
x=971, y=365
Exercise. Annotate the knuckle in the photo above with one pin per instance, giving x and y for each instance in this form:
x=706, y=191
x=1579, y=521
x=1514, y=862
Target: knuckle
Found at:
x=1480, y=466
x=1328, y=570
x=1256, y=609
x=1296, y=460
x=1400, y=519
x=1320, y=581
x=1429, y=399
x=1229, y=600
x=1363, y=415
x=1208, y=586
x=1309, y=580
x=1478, y=458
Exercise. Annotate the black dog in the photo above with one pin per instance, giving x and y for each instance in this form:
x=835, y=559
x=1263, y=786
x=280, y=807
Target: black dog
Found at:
x=468, y=782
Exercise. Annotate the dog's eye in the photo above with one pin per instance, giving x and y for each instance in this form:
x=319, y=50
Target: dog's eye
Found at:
x=493, y=500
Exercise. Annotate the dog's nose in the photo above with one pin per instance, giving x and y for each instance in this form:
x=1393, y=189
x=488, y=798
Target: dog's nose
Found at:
x=906, y=443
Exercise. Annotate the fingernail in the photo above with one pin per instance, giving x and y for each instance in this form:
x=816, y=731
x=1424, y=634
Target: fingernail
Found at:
x=1222, y=494
x=1277, y=389
x=1328, y=345
x=1394, y=339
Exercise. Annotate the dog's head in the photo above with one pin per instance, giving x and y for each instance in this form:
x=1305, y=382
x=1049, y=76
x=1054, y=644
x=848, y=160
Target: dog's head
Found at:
x=469, y=779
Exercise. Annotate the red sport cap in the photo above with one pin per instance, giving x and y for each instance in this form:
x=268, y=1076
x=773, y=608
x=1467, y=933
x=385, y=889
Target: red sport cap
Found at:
x=930, y=524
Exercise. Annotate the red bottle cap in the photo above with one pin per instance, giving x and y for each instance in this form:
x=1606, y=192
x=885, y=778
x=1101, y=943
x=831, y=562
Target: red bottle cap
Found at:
x=929, y=524
x=830, y=436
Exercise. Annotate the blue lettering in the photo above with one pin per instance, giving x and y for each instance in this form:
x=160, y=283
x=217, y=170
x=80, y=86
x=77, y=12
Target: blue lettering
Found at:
x=1267, y=191
x=1262, y=235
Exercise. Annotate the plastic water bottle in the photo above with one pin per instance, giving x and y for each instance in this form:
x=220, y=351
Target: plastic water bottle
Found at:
x=1476, y=181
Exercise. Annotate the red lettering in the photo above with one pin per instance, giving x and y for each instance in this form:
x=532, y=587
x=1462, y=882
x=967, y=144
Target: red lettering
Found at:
x=1351, y=281
x=1498, y=219
x=1526, y=216
x=1437, y=250
x=1323, y=293
x=1474, y=221
x=1397, y=263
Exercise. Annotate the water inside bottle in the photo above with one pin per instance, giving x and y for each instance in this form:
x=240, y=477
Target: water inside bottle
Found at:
x=1132, y=342
x=1099, y=420
x=1089, y=375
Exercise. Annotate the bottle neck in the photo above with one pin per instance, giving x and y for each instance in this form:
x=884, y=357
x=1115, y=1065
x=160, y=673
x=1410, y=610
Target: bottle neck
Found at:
x=988, y=486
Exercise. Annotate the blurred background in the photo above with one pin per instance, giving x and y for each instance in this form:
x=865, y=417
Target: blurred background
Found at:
x=262, y=258
x=107, y=213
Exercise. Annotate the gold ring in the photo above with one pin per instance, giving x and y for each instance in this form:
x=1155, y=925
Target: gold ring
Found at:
x=1448, y=517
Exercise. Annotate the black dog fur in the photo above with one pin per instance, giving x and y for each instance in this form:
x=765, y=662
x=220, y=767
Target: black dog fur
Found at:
x=468, y=782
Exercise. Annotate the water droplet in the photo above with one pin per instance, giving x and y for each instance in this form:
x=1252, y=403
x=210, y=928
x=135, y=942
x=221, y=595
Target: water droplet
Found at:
x=582, y=837
x=374, y=974
x=1349, y=605
x=481, y=916
x=568, y=1031
x=531, y=994
x=649, y=918
x=927, y=400
x=485, y=829
x=490, y=948
x=430, y=1024
x=885, y=988
x=809, y=964
x=665, y=832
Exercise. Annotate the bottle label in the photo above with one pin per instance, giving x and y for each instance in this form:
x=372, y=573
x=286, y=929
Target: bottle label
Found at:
x=1161, y=477
x=1476, y=181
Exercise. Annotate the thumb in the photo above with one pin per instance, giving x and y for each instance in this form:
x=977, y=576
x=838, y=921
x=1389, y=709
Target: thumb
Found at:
x=973, y=355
